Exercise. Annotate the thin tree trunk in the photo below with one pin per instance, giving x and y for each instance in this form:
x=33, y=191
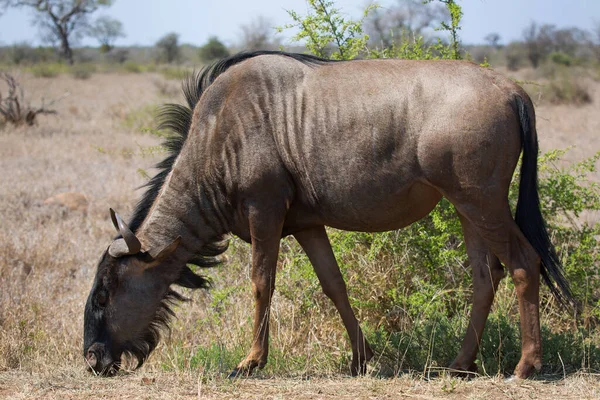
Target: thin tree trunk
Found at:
x=62, y=32
x=65, y=48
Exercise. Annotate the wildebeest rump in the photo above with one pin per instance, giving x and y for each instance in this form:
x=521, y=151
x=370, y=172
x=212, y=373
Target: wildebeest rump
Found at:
x=275, y=144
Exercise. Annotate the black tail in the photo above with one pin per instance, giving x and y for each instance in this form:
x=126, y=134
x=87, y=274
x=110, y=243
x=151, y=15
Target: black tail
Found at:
x=528, y=215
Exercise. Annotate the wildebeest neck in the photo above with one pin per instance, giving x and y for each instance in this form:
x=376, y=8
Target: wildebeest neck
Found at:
x=181, y=209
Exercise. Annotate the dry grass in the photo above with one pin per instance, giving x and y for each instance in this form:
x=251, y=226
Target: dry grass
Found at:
x=48, y=255
x=76, y=385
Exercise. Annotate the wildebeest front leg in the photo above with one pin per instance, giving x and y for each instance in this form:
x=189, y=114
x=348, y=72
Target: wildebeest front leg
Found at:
x=487, y=273
x=265, y=231
x=316, y=245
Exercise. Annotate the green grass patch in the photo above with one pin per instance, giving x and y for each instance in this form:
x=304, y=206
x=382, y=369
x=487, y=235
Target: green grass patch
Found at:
x=217, y=357
x=48, y=70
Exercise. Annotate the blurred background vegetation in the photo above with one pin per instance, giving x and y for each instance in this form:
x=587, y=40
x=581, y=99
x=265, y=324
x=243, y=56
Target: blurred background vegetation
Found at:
x=390, y=31
x=557, y=59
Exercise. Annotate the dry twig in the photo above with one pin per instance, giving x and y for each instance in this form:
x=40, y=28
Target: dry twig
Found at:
x=14, y=108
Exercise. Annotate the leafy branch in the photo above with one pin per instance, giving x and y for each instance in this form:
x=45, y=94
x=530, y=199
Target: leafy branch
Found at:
x=327, y=33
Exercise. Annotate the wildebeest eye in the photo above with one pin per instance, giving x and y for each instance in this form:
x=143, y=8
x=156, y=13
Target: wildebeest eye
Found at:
x=102, y=298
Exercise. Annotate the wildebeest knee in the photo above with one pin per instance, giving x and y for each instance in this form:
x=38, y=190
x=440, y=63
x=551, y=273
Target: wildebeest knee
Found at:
x=521, y=278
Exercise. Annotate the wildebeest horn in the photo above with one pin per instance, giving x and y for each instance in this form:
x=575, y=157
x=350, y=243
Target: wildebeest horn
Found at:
x=129, y=244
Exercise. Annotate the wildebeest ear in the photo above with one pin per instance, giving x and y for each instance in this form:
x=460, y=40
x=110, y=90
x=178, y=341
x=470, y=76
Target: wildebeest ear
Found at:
x=159, y=255
x=189, y=279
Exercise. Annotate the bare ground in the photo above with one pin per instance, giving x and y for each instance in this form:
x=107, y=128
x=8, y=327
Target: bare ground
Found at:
x=75, y=385
x=48, y=255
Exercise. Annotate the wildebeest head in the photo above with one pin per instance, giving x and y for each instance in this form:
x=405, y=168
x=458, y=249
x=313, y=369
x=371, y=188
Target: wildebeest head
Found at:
x=130, y=300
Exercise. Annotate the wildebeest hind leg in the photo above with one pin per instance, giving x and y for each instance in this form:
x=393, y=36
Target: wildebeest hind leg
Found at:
x=490, y=216
x=487, y=273
x=316, y=245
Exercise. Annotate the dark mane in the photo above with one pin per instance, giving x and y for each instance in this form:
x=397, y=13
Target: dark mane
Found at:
x=177, y=119
x=141, y=347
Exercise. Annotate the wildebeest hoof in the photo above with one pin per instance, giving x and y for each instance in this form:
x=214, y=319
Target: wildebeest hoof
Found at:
x=239, y=373
x=358, y=369
x=244, y=371
x=526, y=368
x=236, y=373
x=359, y=362
x=462, y=372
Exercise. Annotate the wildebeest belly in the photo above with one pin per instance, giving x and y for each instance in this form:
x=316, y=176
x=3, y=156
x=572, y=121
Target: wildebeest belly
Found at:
x=366, y=209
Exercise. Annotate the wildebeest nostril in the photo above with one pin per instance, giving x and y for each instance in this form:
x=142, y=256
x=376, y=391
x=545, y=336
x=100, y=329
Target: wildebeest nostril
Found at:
x=91, y=358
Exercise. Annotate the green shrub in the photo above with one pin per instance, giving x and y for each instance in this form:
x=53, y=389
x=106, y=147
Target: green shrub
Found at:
x=566, y=89
x=214, y=49
x=47, y=70
x=328, y=34
x=132, y=66
x=561, y=58
x=324, y=25
x=82, y=71
x=559, y=84
x=566, y=193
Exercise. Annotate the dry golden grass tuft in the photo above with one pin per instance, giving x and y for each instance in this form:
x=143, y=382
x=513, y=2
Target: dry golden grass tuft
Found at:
x=48, y=256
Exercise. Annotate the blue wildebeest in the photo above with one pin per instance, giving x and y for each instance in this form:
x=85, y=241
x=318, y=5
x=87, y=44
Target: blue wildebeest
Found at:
x=274, y=144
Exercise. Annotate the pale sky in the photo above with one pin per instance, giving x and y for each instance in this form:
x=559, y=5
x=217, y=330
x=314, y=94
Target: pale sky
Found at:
x=147, y=20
